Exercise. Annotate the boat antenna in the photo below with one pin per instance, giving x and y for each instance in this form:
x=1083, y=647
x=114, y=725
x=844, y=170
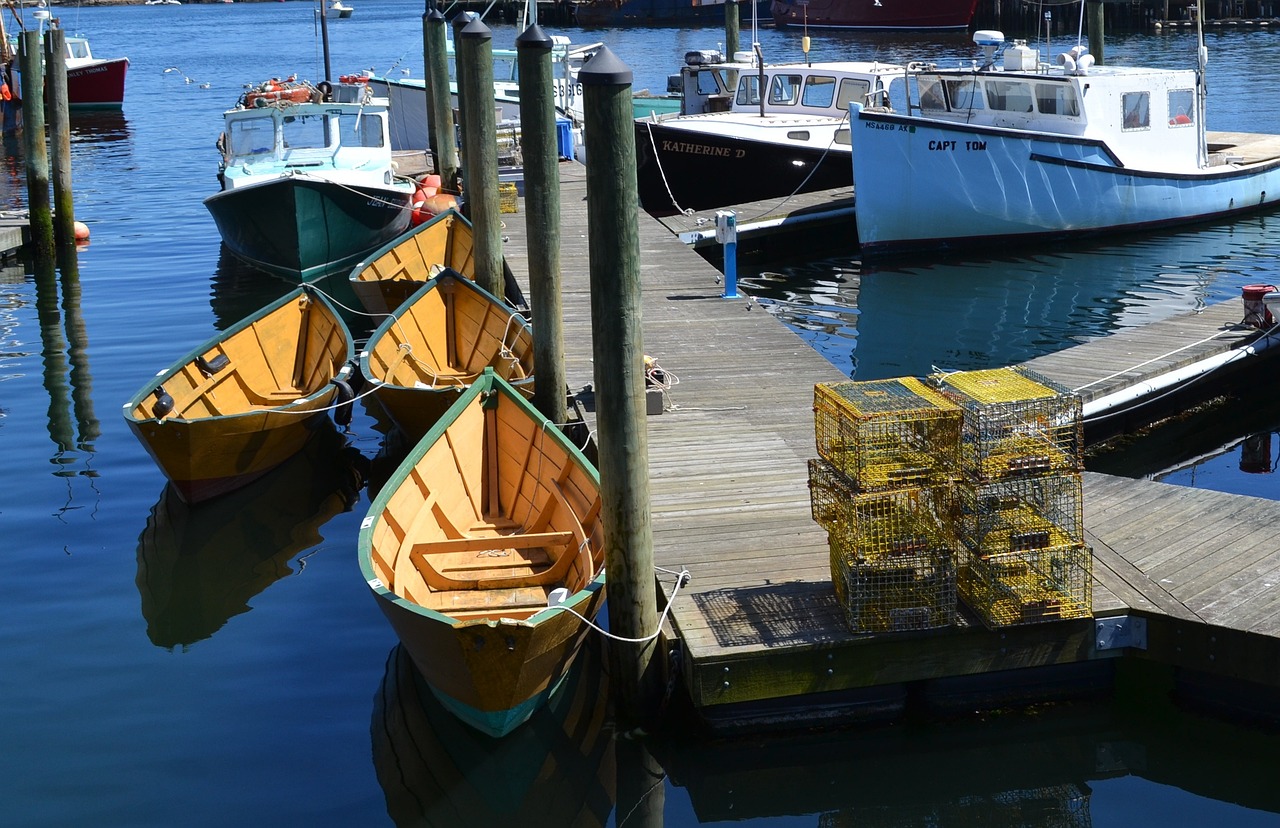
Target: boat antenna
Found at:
x=1202, y=86
x=1080, y=30
x=323, y=14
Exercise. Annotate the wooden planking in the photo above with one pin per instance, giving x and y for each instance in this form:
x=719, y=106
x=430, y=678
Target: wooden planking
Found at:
x=1103, y=366
x=730, y=499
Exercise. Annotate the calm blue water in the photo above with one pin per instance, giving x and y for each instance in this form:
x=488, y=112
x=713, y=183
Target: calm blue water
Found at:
x=227, y=666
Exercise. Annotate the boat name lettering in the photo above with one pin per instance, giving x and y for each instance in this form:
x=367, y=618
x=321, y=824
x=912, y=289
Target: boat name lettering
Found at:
x=89, y=70
x=971, y=146
x=700, y=149
x=942, y=145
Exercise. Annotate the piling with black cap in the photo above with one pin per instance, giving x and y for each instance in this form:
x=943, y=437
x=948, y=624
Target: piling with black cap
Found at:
x=64, y=215
x=542, y=218
x=613, y=244
x=444, y=141
x=33, y=143
x=480, y=151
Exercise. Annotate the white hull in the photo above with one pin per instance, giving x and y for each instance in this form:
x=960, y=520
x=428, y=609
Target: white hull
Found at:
x=920, y=183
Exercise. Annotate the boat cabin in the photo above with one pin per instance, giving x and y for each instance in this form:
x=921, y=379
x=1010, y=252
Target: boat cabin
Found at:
x=708, y=83
x=1146, y=117
x=267, y=140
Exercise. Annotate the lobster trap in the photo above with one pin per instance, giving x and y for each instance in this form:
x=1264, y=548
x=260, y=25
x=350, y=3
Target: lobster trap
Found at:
x=887, y=434
x=1020, y=514
x=1027, y=586
x=892, y=553
x=1016, y=423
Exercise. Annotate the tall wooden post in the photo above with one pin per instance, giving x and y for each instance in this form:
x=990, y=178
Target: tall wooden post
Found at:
x=460, y=72
x=427, y=80
x=444, y=142
x=480, y=150
x=731, y=28
x=542, y=219
x=613, y=245
x=33, y=142
x=1096, y=31
x=64, y=215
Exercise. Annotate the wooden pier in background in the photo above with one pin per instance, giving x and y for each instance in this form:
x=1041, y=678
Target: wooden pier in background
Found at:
x=1182, y=577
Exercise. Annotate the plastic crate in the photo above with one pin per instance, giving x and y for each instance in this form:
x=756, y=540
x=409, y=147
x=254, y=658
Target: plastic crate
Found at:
x=1017, y=514
x=887, y=434
x=1016, y=423
x=1029, y=586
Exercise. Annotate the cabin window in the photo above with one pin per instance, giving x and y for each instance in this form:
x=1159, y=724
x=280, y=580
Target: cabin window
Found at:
x=305, y=131
x=1182, y=107
x=798, y=135
x=749, y=90
x=707, y=83
x=78, y=48
x=819, y=91
x=852, y=89
x=932, y=98
x=1057, y=99
x=785, y=90
x=1137, y=110
x=963, y=95
x=363, y=130
x=252, y=136
x=1009, y=96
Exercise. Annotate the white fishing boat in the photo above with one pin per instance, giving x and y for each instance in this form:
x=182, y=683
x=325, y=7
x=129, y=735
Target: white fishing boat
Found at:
x=1021, y=147
x=340, y=9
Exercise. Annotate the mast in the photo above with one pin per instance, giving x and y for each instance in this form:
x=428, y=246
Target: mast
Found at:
x=1202, y=87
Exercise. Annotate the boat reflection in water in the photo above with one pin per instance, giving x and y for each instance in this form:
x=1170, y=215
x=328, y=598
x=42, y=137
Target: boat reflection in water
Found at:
x=98, y=126
x=555, y=770
x=902, y=317
x=200, y=565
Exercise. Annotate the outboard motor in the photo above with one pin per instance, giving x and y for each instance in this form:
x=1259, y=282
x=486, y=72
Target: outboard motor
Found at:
x=1257, y=305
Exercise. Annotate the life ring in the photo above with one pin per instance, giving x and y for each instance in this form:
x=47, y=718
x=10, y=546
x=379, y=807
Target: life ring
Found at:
x=326, y=91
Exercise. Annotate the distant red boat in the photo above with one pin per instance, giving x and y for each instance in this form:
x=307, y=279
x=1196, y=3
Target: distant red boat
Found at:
x=92, y=83
x=874, y=14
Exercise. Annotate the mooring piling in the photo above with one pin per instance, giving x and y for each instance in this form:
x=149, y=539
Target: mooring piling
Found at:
x=480, y=152
x=542, y=219
x=64, y=217
x=444, y=150
x=613, y=244
x=33, y=143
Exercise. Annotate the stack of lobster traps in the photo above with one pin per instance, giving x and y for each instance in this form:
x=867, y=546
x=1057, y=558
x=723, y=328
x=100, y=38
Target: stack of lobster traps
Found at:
x=1019, y=510
x=968, y=485
x=882, y=488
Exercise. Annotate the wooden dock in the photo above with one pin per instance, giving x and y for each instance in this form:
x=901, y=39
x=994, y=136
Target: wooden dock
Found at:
x=1182, y=577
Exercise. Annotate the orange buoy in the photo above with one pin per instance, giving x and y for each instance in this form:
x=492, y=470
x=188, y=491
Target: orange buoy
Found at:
x=440, y=202
x=82, y=231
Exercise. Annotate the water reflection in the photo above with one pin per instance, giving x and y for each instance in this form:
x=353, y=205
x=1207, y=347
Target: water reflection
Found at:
x=1085, y=763
x=200, y=565
x=903, y=317
x=556, y=770
x=99, y=126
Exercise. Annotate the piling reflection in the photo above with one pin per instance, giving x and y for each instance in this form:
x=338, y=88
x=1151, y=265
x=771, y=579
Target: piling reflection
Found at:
x=556, y=770
x=87, y=426
x=54, y=355
x=200, y=565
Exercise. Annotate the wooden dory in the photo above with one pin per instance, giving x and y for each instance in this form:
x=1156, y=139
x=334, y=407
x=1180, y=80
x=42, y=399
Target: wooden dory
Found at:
x=399, y=269
x=475, y=547
x=246, y=400
x=437, y=343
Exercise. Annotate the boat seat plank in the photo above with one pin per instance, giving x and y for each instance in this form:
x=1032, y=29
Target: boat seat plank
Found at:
x=467, y=563
x=520, y=602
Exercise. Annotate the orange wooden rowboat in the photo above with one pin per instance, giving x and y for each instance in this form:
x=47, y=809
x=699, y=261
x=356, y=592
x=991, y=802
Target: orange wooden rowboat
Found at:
x=437, y=343
x=483, y=534
x=399, y=269
x=246, y=400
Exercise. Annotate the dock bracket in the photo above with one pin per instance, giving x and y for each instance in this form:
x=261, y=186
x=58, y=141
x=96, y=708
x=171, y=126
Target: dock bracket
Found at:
x=1120, y=632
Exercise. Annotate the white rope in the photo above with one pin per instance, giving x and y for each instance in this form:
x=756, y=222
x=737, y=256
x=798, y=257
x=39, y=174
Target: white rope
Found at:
x=1162, y=356
x=682, y=578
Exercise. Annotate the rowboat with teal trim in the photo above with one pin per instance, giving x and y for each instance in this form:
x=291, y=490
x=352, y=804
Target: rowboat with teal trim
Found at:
x=485, y=551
